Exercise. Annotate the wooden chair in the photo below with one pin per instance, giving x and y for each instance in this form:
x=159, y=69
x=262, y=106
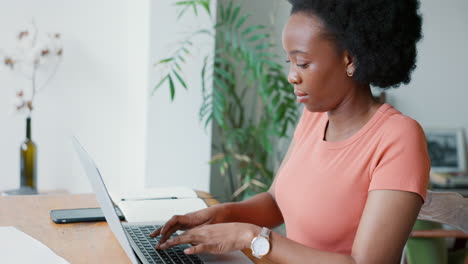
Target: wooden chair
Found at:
x=440, y=208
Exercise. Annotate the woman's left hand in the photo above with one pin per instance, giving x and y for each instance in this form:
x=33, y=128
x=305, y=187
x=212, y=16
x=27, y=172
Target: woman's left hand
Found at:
x=215, y=238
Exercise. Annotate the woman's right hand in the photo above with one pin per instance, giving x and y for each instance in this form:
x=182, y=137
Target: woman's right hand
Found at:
x=211, y=215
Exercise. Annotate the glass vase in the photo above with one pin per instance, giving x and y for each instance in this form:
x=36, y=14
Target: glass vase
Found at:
x=28, y=164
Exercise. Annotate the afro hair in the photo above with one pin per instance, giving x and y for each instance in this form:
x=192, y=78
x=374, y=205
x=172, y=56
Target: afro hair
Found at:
x=381, y=35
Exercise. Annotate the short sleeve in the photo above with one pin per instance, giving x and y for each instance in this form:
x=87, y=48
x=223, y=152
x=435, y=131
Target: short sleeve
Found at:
x=402, y=161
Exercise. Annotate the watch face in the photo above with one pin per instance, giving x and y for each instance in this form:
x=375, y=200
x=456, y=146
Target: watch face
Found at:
x=261, y=246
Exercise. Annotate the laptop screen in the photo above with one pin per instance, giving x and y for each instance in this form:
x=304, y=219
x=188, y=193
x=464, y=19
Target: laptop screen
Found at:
x=103, y=199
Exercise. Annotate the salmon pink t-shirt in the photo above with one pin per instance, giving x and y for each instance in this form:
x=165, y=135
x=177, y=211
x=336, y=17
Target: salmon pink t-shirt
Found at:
x=322, y=188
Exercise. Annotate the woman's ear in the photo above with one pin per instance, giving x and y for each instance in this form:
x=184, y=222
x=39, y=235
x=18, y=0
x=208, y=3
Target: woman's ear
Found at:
x=349, y=64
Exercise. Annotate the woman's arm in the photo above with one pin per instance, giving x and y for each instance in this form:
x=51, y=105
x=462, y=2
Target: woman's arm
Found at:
x=260, y=210
x=383, y=230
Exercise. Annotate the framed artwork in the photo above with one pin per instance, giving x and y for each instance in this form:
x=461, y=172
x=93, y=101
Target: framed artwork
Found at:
x=446, y=149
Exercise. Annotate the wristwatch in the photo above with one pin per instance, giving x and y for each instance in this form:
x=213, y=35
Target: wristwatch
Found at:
x=261, y=244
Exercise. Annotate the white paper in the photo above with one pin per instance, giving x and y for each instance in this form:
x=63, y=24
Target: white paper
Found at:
x=17, y=247
x=166, y=192
x=158, y=210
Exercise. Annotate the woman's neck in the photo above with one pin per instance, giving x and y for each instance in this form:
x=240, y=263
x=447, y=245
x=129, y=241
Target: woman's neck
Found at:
x=351, y=114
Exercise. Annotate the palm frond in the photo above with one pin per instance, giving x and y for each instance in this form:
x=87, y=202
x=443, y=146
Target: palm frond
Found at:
x=242, y=69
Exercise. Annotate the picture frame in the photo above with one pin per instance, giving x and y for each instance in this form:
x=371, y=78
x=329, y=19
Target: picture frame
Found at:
x=446, y=149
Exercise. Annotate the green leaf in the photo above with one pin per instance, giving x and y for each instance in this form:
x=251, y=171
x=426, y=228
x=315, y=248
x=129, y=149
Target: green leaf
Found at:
x=220, y=84
x=218, y=107
x=258, y=37
x=222, y=12
x=181, y=13
x=177, y=65
x=272, y=64
x=242, y=45
x=208, y=120
x=284, y=128
x=184, y=3
x=221, y=60
x=227, y=36
x=268, y=55
x=228, y=11
x=171, y=87
x=204, y=31
x=241, y=21
x=267, y=144
x=276, y=99
x=203, y=74
x=181, y=58
x=252, y=29
x=206, y=5
x=206, y=107
x=181, y=81
x=264, y=46
x=218, y=25
x=234, y=41
x=160, y=83
x=280, y=112
x=235, y=13
x=218, y=115
x=224, y=74
x=165, y=61
x=259, y=71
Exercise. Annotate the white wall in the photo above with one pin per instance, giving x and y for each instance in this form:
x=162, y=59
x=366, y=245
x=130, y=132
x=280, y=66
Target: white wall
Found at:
x=179, y=147
x=99, y=92
x=438, y=93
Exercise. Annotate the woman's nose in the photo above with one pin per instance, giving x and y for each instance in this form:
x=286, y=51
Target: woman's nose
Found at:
x=293, y=78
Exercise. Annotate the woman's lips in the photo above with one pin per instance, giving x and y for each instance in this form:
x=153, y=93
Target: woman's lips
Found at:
x=301, y=97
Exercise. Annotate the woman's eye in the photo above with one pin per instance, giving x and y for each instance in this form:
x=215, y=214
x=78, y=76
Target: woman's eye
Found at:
x=303, y=66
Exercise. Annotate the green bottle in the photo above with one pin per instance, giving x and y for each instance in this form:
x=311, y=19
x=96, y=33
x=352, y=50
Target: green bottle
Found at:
x=28, y=165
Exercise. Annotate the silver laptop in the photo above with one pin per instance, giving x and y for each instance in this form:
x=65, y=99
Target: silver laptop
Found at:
x=134, y=238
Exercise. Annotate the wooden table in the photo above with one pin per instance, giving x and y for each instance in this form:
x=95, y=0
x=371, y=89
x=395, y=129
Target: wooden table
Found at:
x=439, y=233
x=77, y=243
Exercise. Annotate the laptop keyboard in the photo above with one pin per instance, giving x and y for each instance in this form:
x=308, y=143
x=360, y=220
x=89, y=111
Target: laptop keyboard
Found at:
x=140, y=235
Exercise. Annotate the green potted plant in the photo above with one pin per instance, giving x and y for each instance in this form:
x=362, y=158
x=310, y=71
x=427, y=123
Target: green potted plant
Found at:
x=251, y=101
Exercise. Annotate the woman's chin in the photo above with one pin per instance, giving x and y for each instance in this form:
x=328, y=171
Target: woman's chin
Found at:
x=314, y=107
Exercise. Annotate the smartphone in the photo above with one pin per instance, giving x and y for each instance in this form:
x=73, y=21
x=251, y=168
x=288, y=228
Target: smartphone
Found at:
x=64, y=216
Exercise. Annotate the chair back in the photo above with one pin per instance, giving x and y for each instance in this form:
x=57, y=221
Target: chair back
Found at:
x=440, y=208
x=447, y=208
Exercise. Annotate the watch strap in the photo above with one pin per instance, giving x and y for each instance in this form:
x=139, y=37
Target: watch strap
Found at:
x=265, y=232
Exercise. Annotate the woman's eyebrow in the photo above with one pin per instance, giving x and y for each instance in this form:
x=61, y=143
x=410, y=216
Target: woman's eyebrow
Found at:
x=297, y=52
